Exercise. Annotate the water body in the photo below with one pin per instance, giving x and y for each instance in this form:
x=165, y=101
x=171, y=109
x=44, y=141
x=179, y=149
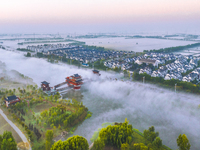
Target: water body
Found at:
x=134, y=44
x=143, y=105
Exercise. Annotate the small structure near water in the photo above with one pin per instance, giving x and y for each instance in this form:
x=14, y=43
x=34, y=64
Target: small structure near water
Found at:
x=11, y=100
x=96, y=72
x=45, y=86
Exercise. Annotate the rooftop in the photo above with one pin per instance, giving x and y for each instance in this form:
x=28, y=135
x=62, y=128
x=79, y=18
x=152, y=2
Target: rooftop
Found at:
x=45, y=82
x=9, y=98
x=147, y=60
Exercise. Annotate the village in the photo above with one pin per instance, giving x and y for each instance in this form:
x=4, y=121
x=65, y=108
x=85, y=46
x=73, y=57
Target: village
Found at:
x=166, y=65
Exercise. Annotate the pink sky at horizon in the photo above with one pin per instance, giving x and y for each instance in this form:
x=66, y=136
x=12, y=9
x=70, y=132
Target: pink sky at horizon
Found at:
x=30, y=16
x=97, y=11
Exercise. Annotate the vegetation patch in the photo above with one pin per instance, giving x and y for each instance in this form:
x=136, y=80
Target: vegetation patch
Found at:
x=181, y=85
x=37, y=112
x=122, y=136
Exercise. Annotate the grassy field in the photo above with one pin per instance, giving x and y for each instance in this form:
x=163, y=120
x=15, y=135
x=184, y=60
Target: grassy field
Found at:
x=4, y=126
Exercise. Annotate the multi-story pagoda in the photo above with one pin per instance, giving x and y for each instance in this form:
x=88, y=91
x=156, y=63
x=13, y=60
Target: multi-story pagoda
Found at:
x=74, y=81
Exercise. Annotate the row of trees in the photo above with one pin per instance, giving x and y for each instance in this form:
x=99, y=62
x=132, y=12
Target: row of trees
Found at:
x=174, y=49
x=119, y=136
x=75, y=117
x=188, y=86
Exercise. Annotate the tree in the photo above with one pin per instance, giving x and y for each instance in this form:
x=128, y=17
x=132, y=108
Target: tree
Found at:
x=157, y=142
x=150, y=134
x=59, y=127
x=98, y=144
x=125, y=146
x=7, y=142
x=56, y=97
x=140, y=146
x=51, y=98
x=72, y=143
x=45, y=125
x=183, y=142
x=49, y=138
x=116, y=135
x=58, y=145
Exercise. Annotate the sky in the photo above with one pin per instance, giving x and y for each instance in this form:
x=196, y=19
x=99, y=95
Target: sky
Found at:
x=93, y=15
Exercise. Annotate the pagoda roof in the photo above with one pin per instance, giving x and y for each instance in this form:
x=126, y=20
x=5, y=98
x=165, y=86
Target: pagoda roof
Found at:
x=76, y=75
x=9, y=98
x=45, y=82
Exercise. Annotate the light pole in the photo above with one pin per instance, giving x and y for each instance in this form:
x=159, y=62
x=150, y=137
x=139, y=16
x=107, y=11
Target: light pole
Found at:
x=143, y=79
x=175, y=87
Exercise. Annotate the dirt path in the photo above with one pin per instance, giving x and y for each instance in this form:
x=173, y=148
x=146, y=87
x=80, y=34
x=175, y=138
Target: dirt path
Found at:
x=91, y=146
x=19, y=132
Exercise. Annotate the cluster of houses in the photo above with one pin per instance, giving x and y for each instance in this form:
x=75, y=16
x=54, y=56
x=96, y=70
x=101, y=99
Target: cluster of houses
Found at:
x=47, y=47
x=175, y=69
x=149, y=58
x=79, y=53
x=166, y=65
x=194, y=75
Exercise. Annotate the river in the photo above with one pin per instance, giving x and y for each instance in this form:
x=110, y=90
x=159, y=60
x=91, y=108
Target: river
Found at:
x=143, y=105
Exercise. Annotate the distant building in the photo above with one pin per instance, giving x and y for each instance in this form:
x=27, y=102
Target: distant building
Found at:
x=11, y=100
x=148, y=61
x=96, y=72
x=85, y=65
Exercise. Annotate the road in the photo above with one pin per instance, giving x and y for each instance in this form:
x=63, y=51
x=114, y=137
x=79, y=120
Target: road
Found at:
x=19, y=132
x=91, y=146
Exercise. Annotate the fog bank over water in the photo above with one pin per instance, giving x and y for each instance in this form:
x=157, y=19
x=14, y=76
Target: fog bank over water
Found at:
x=134, y=44
x=144, y=105
x=40, y=70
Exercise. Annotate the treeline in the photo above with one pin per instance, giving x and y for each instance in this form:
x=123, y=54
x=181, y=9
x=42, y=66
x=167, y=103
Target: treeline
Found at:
x=186, y=86
x=17, y=114
x=24, y=50
x=66, y=40
x=119, y=136
x=76, y=117
x=173, y=49
x=99, y=64
x=94, y=48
